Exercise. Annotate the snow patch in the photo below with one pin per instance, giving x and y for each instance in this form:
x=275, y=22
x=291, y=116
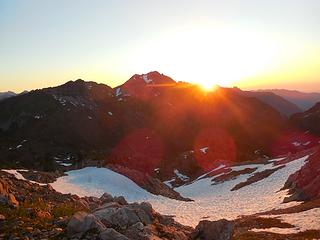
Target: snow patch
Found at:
x=146, y=78
x=118, y=92
x=204, y=150
x=19, y=176
x=182, y=177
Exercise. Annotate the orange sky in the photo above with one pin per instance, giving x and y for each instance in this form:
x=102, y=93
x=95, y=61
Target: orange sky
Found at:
x=270, y=44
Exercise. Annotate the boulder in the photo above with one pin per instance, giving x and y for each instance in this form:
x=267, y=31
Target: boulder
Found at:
x=125, y=217
x=111, y=234
x=137, y=232
x=105, y=215
x=144, y=211
x=144, y=217
x=82, y=222
x=216, y=230
x=106, y=198
x=121, y=200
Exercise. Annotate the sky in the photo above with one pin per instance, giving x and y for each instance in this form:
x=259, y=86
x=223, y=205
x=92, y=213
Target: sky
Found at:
x=246, y=43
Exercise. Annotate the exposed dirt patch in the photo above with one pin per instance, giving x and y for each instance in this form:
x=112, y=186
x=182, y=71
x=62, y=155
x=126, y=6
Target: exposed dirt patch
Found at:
x=232, y=175
x=305, y=206
x=256, y=177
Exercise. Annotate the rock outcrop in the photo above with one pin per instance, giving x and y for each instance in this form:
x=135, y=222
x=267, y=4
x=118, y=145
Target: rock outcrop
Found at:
x=151, y=184
x=305, y=184
x=6, y=197
x=117, y=219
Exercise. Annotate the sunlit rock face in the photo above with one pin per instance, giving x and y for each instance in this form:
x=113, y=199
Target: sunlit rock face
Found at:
x=305, y=183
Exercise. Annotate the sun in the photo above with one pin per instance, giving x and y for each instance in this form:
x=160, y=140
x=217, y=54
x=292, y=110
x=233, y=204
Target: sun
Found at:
x=208, y=86
x=208, y=55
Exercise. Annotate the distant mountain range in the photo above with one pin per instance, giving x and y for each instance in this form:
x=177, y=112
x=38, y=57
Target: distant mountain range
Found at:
x=303, y=100
x=281, y=104
x=4, y=95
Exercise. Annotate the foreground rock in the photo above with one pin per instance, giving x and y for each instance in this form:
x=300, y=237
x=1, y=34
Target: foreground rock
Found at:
x=39, y=212
x=117, y=219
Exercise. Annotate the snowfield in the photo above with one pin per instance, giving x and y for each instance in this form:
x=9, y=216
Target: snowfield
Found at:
x=211, y=201
x=92, y=181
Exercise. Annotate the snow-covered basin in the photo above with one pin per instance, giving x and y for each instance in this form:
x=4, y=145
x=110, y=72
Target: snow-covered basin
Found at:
x=212, y=202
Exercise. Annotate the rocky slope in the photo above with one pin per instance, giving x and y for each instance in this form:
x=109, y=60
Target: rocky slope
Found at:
x=305, y=184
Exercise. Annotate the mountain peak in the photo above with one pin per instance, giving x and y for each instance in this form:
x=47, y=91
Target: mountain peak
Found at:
x=153, y=77
x=144, y=86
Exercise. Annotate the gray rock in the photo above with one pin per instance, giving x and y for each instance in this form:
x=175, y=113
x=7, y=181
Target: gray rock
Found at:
x=105, y=215
x=166, y=220
x=121, y=200
x=144, y=217
x=217, y=230
x=82, y=222
x=147, y=207
x=125, y=217
x=137, y=232
x=106, y=197
x=111, y=234
x=111, y=205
